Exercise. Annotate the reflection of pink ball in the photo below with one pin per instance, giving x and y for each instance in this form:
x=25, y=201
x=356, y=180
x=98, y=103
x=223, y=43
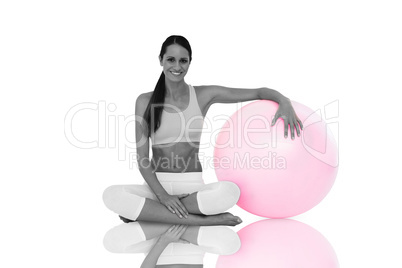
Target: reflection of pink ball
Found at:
x=281, y=243
x=278, y=177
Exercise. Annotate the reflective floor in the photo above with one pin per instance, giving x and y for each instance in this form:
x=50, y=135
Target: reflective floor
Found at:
x=283, y=243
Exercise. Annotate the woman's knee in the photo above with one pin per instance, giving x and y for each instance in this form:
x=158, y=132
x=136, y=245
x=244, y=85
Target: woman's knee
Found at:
x=123, y=202
x=111, y=196
x=230, y=189
x=218, y=197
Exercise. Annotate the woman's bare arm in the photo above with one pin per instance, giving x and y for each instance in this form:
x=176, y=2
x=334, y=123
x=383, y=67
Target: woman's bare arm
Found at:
x=219, y=94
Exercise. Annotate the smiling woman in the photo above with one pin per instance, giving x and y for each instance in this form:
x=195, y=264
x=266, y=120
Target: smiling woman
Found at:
x=172, y=119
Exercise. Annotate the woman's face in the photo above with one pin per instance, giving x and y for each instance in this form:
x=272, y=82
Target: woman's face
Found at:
x=175, y=62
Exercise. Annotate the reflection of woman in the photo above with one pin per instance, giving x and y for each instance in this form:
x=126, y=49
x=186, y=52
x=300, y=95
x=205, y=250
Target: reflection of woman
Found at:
x=172, y=117
x=166, y=244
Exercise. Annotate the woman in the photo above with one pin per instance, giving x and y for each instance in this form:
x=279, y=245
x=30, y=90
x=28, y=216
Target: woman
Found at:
x=172, y=117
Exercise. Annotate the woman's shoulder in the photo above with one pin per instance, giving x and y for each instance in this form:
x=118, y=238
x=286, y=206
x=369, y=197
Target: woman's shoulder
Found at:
x=205, y=88
x=200, y=88
x=205, y=91
x=145, y=96
x=142, y=101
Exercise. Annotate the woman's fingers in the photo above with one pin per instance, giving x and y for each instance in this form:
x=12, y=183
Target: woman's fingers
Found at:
x=297, y=128
x=292, y=130
x=174, y=233
x=172, y=228
x=181, y=210
x=292, y=124
x=300, y=123
x=176, y=228
x=290, y=119
x=286, y=126
x=174, y=205
x=296, y=125
x=177, y=231
x=275, y=118
x=176, y=211
x=182, y=229
x=170, y=209
x=178, y=208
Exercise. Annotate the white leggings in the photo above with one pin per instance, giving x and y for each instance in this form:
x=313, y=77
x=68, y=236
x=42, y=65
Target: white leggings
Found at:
x=213, y=198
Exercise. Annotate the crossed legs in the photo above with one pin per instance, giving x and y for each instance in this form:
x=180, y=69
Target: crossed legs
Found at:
x=206, y=206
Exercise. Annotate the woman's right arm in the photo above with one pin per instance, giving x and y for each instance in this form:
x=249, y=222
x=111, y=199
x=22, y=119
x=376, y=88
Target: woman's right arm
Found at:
x=172, y=202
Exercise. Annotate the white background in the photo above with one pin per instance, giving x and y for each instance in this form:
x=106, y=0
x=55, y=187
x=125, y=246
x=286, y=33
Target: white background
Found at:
x=57, y=54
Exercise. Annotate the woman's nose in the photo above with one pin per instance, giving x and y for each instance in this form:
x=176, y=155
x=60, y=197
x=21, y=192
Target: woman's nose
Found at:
x=177, y=65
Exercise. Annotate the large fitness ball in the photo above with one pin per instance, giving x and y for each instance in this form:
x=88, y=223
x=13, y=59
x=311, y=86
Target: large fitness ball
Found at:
x=278, y=177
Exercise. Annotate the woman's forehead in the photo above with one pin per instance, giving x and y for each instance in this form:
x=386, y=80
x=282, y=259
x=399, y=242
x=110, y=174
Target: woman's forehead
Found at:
x=176, y=51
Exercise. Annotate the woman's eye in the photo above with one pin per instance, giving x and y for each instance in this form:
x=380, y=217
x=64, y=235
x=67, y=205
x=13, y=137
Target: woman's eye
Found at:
x=183, y=61
x=170, y=59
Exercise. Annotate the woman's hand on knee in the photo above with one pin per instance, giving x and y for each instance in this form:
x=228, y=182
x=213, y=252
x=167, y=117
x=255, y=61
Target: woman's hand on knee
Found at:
x=174, y=205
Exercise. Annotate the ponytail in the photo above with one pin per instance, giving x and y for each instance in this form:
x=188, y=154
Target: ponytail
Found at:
x=153, y=112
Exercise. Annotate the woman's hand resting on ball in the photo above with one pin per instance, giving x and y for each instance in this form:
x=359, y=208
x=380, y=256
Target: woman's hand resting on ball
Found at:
x=290, y=119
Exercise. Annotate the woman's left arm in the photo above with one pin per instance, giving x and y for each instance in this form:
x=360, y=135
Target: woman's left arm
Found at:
x=219, y=94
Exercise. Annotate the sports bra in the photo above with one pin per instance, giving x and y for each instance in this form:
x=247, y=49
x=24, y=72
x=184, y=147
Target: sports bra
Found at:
x=181, y=126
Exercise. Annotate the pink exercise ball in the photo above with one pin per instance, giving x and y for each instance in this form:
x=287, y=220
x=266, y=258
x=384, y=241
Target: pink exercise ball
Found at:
x=281, y=243
x=278, y=177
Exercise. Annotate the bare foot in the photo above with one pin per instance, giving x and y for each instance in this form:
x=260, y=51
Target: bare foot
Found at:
x=227, y=219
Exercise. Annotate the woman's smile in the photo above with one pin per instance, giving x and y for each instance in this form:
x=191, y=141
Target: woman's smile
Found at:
x=176, y=73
